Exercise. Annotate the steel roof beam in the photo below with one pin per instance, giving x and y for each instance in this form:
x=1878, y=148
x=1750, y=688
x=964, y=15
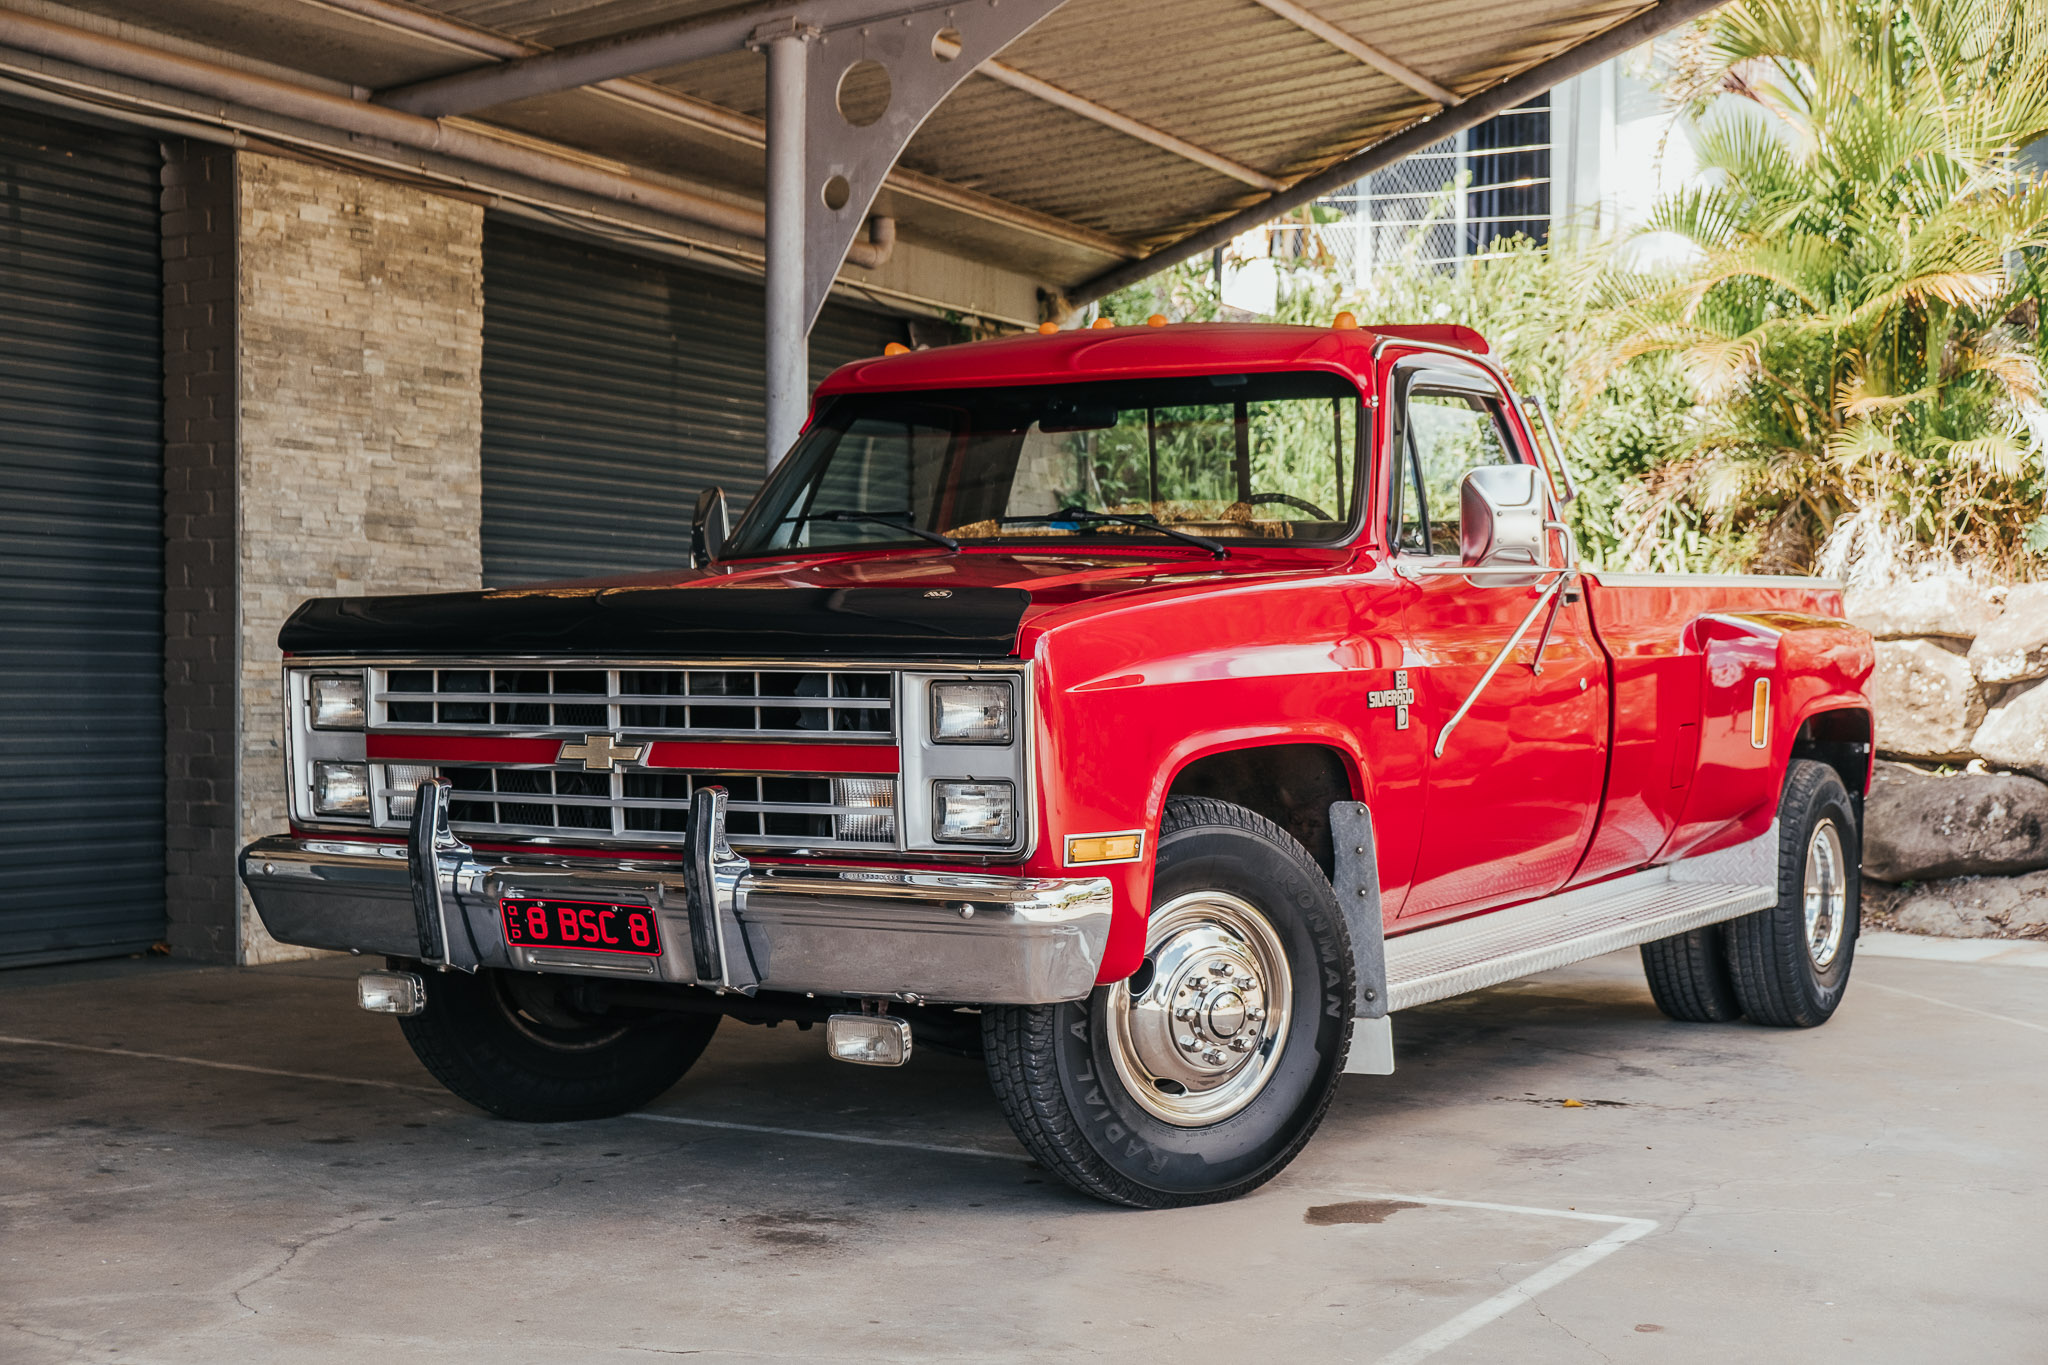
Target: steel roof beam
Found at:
x=1130, y=127
x=627, y=54
x=1629, y=34
x=1365, y=52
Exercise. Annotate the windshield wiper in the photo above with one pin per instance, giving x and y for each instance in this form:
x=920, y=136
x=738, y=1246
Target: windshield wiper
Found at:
x=1080, y=516
x=900, y=523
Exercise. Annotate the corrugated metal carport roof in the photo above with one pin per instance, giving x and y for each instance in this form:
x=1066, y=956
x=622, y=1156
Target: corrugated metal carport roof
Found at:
x=1109, y=133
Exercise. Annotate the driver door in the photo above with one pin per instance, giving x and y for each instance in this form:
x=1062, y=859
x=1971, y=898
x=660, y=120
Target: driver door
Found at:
x=1511, y=802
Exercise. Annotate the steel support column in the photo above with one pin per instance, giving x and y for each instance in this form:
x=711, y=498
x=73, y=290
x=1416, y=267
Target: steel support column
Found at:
x=788, y=321
x=843, y=102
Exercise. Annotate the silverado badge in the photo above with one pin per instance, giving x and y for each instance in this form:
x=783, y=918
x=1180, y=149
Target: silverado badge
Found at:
x=1400, y=696
x=599, y=752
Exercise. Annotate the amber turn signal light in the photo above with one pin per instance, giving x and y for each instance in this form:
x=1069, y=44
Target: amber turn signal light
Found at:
x=1102, y=848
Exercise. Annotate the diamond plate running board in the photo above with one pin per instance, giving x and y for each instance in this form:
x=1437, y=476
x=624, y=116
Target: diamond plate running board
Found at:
x=1501, y=945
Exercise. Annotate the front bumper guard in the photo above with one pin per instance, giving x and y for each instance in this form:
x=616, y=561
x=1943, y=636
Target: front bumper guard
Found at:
x=882, y=933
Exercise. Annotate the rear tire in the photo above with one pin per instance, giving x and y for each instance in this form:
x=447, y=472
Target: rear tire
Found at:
x=1202, y=1076
x=1790, y=964
x=1688, y=975
x=512, y=1045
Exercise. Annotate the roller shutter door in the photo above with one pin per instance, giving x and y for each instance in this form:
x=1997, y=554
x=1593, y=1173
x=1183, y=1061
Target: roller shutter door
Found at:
x=81, y=543
x=615, y=389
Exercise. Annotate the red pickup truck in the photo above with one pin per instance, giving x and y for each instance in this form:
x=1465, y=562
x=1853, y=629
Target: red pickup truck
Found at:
x=1150, y=710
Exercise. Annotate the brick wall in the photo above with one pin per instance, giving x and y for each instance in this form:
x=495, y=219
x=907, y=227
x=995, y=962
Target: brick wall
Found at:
x=360, y=344
x=200, y=642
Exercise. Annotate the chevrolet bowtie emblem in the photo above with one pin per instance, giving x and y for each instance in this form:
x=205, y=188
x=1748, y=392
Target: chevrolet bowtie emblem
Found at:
x=599, y=752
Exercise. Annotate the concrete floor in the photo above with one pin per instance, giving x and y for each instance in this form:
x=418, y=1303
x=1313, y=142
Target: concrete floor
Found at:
x=1876, y=1190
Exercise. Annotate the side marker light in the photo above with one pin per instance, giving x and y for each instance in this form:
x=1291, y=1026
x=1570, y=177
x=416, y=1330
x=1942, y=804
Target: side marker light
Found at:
x=1103, y=848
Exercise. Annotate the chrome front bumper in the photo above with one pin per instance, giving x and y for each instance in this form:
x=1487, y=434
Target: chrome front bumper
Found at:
x=905, y=935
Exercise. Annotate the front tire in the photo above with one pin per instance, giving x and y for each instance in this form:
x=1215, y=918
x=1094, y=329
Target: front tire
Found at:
x=1790, y=964
x=1201, y=1077
x=514, y=1045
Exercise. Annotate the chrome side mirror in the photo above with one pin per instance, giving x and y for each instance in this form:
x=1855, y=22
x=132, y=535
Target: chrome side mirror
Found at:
x=1502, y=521
x=710, y=526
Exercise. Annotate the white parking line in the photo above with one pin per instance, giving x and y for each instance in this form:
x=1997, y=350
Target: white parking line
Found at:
x=1966, y=1009
x=1625, y=1230
x=830, y=1137
x=437, y=1091
x=221, y=1066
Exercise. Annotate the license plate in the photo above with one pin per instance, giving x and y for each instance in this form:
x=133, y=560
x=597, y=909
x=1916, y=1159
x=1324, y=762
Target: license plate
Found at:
x=588, y=926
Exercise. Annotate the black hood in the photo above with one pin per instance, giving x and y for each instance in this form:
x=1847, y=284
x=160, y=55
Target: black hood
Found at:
x=662, y=622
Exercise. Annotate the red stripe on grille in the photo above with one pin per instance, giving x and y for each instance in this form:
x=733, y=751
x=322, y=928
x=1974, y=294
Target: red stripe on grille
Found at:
x=741, y=757
x=447, y=749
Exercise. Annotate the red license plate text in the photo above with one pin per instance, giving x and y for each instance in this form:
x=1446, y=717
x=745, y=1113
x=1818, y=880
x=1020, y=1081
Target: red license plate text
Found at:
x=588, y=926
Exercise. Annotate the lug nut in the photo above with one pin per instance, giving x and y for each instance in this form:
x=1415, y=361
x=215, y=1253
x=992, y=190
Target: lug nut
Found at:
x=1241, y=1043
x=1244, y=983
x=1213, y=1056
x=1184, y=1012
x=1255, y=1014
x=1186, y=1041
x=1219, y=967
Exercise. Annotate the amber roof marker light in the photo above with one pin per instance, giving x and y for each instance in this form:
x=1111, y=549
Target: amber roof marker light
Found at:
x=1156, y=320
x=1344, y=322
x=895, y=348
x=1102, y=324
x=1046, y=329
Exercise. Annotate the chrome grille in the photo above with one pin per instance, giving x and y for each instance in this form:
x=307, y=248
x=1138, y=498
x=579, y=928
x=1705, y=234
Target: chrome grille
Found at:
x=764, y=810
x=792, y=703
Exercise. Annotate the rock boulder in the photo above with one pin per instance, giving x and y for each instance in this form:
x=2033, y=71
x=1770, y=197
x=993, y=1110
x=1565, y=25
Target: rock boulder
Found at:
x=2015, y=646
x=1920, y=825
x=1936, y=606
x=1976, y=907
x=1928, y=705
x=2015, y=732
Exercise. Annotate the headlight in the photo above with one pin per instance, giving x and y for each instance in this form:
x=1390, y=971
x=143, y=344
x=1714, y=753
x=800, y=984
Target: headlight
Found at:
x=341, y=789
x=974, y=812
x=971, y=713
x=336, y=700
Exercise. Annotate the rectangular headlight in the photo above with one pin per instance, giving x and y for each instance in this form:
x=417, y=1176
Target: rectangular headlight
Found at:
x=974, y=812
x=336, y=700
x=341, y=789
x=971, y=713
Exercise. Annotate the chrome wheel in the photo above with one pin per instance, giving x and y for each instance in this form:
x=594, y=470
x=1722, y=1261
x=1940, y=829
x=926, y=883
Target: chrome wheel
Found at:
x=1196, y=1034
x=1826, y=896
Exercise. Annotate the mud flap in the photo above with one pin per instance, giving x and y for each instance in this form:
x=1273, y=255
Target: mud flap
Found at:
x=1357, y=883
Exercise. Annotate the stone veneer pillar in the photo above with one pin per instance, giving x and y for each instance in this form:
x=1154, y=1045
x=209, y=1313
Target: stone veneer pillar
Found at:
x=333, y=422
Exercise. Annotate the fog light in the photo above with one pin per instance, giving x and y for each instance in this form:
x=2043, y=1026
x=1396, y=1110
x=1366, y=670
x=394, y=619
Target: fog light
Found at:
x=341, y=789
x=391, y=993
x=973, y=812
x=868, y=1039
x=970, y=713
x=402, y=787
x=336, y=700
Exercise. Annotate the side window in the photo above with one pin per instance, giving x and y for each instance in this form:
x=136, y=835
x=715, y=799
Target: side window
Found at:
x=1449, y=435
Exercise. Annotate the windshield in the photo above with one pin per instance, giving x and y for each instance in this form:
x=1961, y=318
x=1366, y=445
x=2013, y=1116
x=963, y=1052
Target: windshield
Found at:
x=1213, y=458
